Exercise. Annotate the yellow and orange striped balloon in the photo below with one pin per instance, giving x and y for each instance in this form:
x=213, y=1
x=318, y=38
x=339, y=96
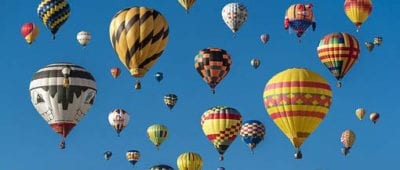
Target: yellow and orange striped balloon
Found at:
x=357, y=11
x=297, y=100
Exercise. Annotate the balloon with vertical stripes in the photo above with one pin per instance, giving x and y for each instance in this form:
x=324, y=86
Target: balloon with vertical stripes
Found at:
x=189, y=161
x=157, y=134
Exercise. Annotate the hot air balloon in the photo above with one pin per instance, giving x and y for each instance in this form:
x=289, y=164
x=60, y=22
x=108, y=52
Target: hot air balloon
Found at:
x=132, y=156
x=255, y=62
x=374, y=116
x=157, y=134
x=213, y=64
x=297, y=100
x=234, y=15
x=115, y=72
x=221, y=124
x=161, y=167
x=264, y=38
x=360, y=113
x=29, y=31
x=378, y=41
x=189, y=161
x=220, y=168
x=252, y=132
x=338, y=52
x=139, y=36
x=299, y=17
x=62, y=93
x=53, y=13
x=186, y=4
x=348, y=137
x=107, y=155
x=357, y=11
x=118, y=119
x=159, y=76
x=170, y=100
x=369, y=45
x=83, y=38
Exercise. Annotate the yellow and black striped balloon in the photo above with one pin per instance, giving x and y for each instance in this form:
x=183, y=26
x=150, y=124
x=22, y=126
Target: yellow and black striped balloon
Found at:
x=53, y=14
x=139, y=36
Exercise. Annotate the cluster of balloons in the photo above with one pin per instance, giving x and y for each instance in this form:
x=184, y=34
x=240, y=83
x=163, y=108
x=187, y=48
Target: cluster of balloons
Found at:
x=376, y=42
x=374, y=116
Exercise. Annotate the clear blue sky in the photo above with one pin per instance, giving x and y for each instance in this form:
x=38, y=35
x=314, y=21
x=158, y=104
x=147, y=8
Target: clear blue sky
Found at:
x=27, y=141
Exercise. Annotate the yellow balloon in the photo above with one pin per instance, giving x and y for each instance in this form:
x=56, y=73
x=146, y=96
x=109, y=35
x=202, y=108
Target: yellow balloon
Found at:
x=189, y=161
x=358, y=11
x=360, y=113
x=297, y=100
x=186, y=4
x=157, y=134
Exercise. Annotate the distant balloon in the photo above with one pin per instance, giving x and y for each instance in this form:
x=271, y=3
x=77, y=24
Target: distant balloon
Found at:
x=234, y=15
x=170, y=100
x=62, y=93
x=186, y=4
x=255, y=62
x=107, y=155
x=161, y=167
x=347, y=138
x=264, y=38
x=358, y=11
x=219, y=121
x=220, y=168
x=118, y=119
x=299, y=17
x=252, y=132
x=53, y=13
x=159, y=76
x=213, y=64
x=374, y=117
x=378, y=41
x=132, y=156
x=115, y=72
x=29, y=31
x=189, y=161
x=338, y=52
x=369, y=45
x=360, y=113
x=157, y=134
x=297, y=100
x=83, y=38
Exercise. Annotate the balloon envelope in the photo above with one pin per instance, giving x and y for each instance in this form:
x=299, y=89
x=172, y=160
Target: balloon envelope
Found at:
x=118, y=119
x=53, y=13
x=234, y=15
x=132, y=156
x=29, y=31
x=358, y=11
x=83, y=38
x=189, y=161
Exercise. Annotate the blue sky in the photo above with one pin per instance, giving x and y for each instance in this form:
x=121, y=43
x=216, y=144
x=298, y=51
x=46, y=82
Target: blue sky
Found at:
x=28, y=142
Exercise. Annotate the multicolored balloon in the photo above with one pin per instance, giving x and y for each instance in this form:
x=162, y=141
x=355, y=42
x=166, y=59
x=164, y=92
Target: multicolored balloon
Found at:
x=107, y=155
x=264, y=38
x=157, y=134
x=297, y=100
x=115, y=72
x=378, y=41
x=347, y=138
x=221, y=125
x=189, y=160
x=213, y=64
x=53, y=13
x=255, y=62
x=369, y=45
x=118, y=119
x=338, y=52
x=170, y=100
x=83, y=38
x=234, y=15
x=133, y=156
x=159, y=76
x=299, y=17
x=358, y=11
x=139, y=36
x=161, y=167
x=29, y=31
x=186, y=4
x=360, y=113
x=62, y=93
x=252, y=132
x=374, y=117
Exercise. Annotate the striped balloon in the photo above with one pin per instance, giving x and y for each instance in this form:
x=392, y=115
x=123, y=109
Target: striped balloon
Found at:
x=53, y=13
x=62, y=93
x=118, y=119
x=297, y=100
x=170, y=100
x=299, y=17
x=234, y=15
x=139, y=36
x=252, y=132
x=157, y=134
x=358, y=11
x=83, y=38
x=161, y=167
x=189, y=161
x=338, y=52
x=213, y=64
x=347, y=138
x=360, y=113
x=29, y=31
x=186, y=4
x=221, y=125
x=132, y=156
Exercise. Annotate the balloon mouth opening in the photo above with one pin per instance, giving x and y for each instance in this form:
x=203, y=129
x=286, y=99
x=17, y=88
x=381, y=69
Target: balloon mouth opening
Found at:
x=138, y=72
